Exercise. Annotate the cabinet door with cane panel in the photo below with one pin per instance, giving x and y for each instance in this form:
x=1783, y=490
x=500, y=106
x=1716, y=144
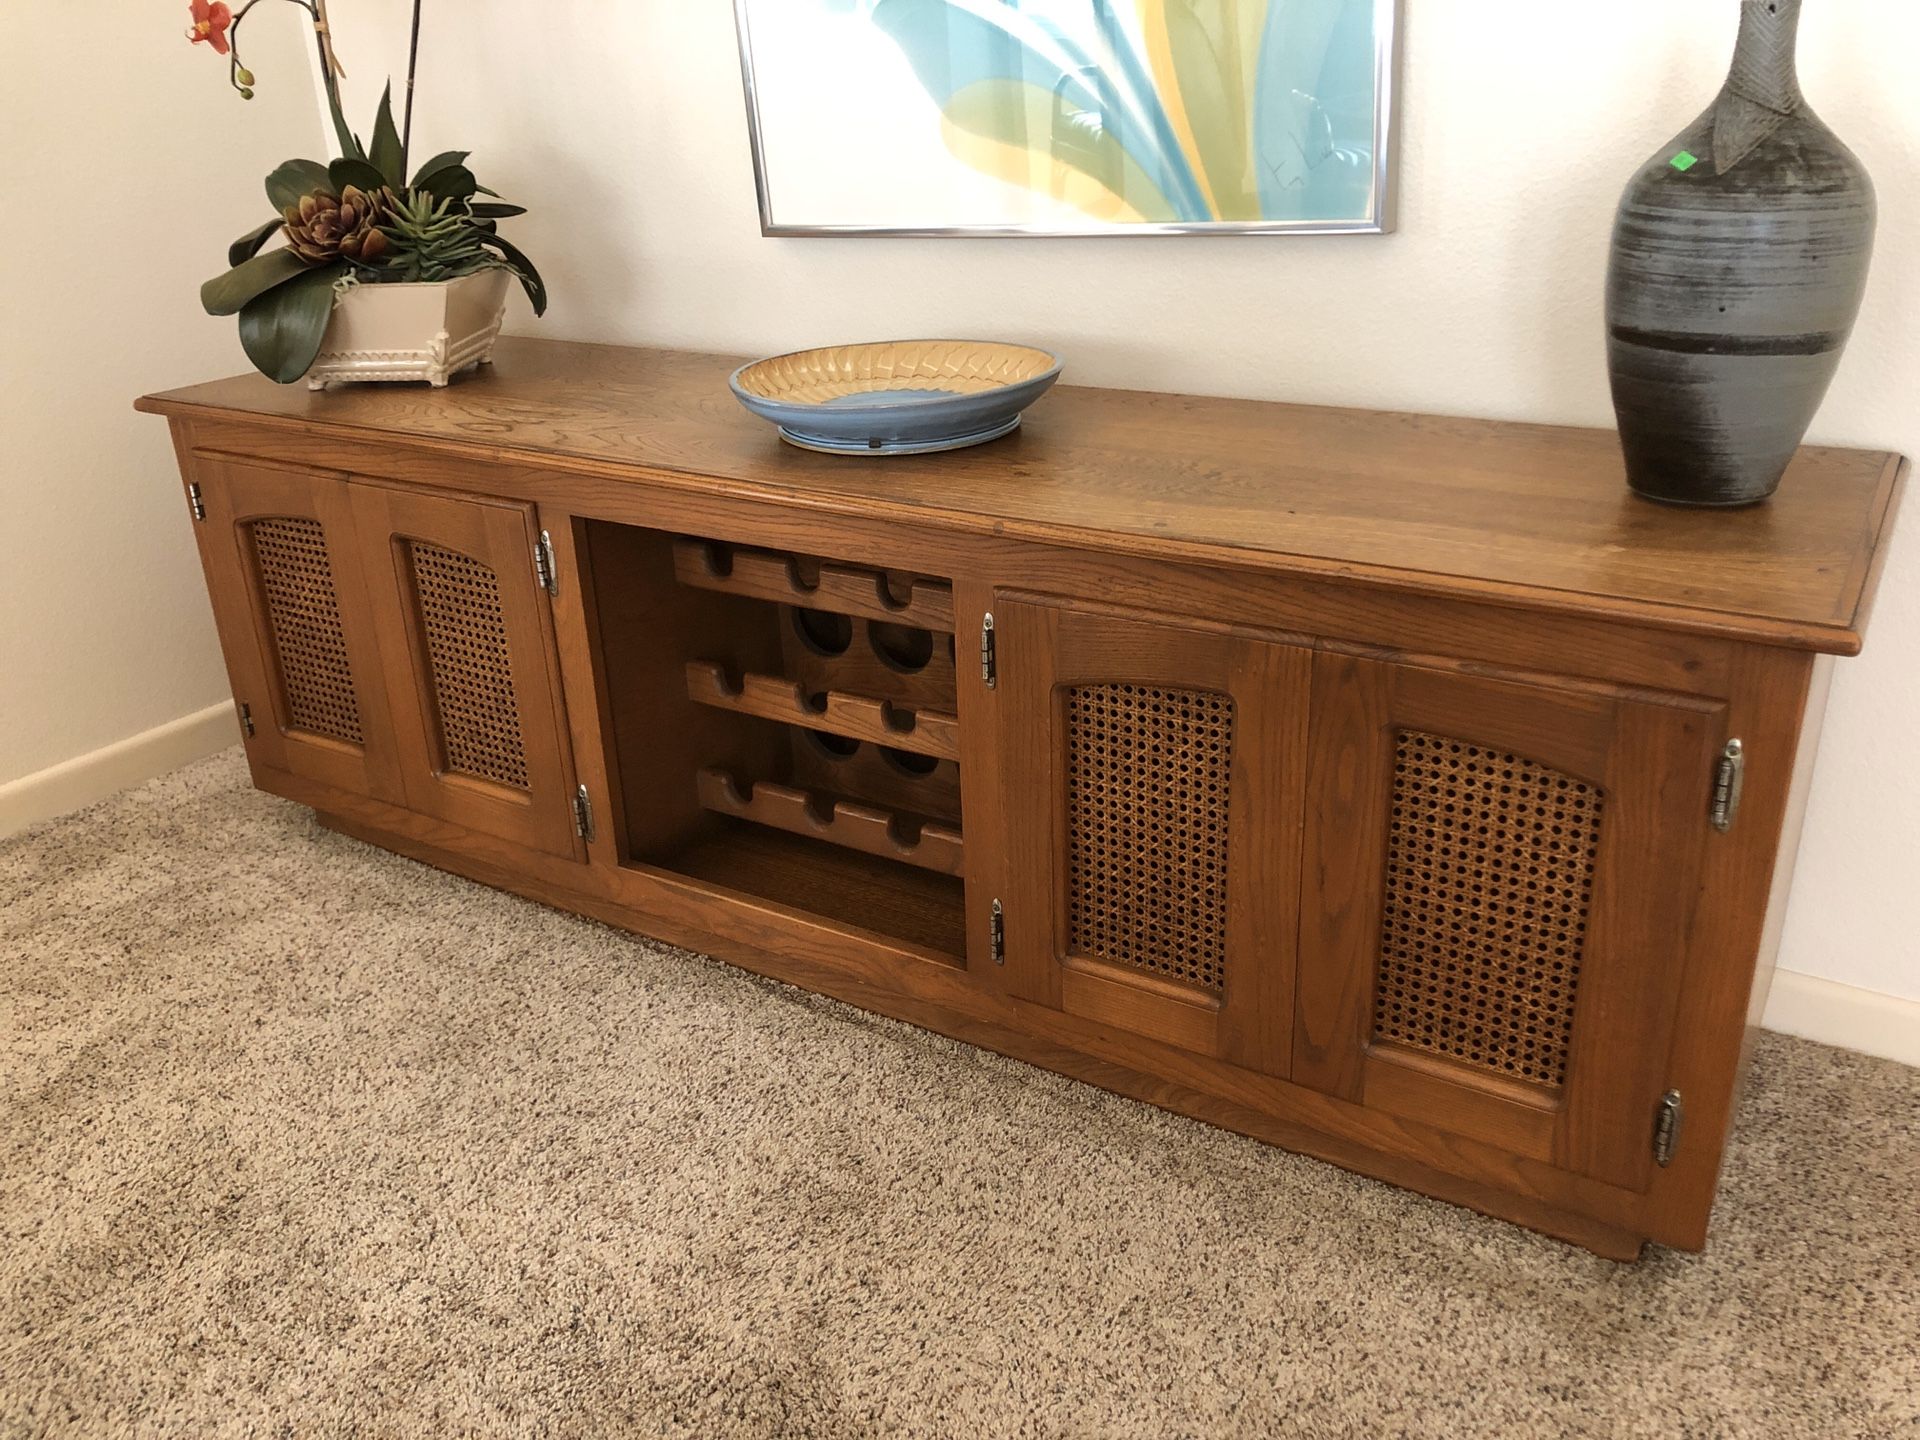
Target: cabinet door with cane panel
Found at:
x=466, y=639
x=1152, y=775
x=1499, y=885
x=296, y=624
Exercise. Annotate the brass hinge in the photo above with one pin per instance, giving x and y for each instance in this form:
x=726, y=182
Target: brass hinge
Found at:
x=246, y=718
x=989, y=657
x=1666, y=1127
x=997, y=934
x=196, y=502
x=544, y=569
x=1729, y=778
x=583, y=814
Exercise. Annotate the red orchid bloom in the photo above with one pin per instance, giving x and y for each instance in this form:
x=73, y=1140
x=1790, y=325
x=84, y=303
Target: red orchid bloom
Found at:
x=210, y=24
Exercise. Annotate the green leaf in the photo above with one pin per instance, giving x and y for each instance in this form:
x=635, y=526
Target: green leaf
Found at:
x=387, y=155
x=359, y=173
x=452, y=182
x=293, y=179
x=227, y=293
x=530, y=280
x=488, y=210
x=248, y=245
x=445, y=160
x=350, y=145
x=483, y=190
x=281, y=330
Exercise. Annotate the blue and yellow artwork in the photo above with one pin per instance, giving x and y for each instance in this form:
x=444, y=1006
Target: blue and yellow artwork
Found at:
x=1069, y=116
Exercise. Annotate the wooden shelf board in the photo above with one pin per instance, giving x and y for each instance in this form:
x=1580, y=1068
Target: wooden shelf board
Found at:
x=856, y=717
x=849, y=823
x=842, y=589
x=860, y=891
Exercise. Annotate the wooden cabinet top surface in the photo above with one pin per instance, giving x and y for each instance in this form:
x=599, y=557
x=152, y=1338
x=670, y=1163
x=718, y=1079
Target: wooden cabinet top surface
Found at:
x=1482, y=509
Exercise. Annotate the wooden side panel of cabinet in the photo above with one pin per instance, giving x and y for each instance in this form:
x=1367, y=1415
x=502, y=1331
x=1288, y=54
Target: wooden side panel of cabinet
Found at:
x=1150, y=777
x=296, y=624
x=466, y=639
x=1500, y=881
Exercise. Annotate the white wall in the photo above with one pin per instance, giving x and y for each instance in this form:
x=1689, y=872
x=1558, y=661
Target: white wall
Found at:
x=128, y=166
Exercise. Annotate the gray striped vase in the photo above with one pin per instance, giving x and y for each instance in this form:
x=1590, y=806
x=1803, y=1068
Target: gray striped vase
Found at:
x=1740, y=255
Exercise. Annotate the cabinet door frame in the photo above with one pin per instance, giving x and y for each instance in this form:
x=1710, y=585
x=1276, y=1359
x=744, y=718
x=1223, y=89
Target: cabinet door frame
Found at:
x=1045, y=646
x=500, y=535
x=1651, y=756
x=237, y=493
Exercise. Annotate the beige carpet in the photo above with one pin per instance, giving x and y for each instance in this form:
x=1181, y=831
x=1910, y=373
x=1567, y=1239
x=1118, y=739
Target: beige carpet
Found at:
x=299, y=1139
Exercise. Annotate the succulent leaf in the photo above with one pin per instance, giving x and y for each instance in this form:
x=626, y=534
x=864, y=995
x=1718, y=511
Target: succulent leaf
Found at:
x=293, y=178
x=387, y=154
x=323, y=227
x=431, y=238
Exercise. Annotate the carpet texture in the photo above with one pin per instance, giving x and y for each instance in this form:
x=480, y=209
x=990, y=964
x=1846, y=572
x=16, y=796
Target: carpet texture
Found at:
x=301, y=1139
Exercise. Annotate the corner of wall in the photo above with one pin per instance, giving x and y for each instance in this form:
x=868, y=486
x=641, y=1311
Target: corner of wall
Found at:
x=1843, y=1015
x=88, y=779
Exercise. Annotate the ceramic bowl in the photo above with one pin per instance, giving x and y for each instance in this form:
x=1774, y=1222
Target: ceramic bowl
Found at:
x=896, y=397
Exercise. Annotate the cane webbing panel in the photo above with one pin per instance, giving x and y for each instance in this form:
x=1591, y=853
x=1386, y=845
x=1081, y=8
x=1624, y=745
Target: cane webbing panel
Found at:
x=1147, y=783
x=303, y=616
x=470, y=669
x=1490, y=862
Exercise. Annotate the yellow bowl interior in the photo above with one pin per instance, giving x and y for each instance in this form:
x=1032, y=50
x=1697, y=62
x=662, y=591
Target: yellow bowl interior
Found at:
x=965, y=367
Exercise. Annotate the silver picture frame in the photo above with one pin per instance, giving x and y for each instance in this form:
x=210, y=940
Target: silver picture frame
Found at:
x=1382, y=220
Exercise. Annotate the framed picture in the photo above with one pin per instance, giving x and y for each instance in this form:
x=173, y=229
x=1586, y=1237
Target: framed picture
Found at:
x=1070, y=117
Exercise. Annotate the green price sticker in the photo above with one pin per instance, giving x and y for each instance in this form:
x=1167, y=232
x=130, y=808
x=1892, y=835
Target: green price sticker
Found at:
x=1685, y=161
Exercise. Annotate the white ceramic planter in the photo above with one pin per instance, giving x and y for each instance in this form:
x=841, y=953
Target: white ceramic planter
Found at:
x=429, y=331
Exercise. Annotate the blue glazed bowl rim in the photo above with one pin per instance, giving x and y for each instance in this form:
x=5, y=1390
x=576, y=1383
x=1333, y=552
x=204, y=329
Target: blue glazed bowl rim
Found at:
x=752, y=400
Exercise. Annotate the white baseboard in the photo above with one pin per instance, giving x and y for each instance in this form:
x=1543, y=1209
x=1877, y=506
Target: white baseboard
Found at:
x=85, y=779
x=1836, y=1014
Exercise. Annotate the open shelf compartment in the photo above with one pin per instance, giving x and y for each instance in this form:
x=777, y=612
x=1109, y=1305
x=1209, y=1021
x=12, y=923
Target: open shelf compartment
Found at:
x=784, y=726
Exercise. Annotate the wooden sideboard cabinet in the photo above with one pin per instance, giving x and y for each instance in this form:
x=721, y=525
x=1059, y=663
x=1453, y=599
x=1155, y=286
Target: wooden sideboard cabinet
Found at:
x=1397, y=789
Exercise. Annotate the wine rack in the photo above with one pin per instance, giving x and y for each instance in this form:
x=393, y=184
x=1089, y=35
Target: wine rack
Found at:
x=792, y=726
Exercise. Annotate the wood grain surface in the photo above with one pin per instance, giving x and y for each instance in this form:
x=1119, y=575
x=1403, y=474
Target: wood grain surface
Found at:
x=1492, y=510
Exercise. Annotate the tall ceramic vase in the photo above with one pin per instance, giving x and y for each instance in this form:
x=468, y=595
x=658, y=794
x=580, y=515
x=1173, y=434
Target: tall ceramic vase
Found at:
x=1739, y=259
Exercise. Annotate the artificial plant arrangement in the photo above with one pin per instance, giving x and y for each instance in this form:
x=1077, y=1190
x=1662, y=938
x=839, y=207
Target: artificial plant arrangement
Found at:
x=355, y=220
